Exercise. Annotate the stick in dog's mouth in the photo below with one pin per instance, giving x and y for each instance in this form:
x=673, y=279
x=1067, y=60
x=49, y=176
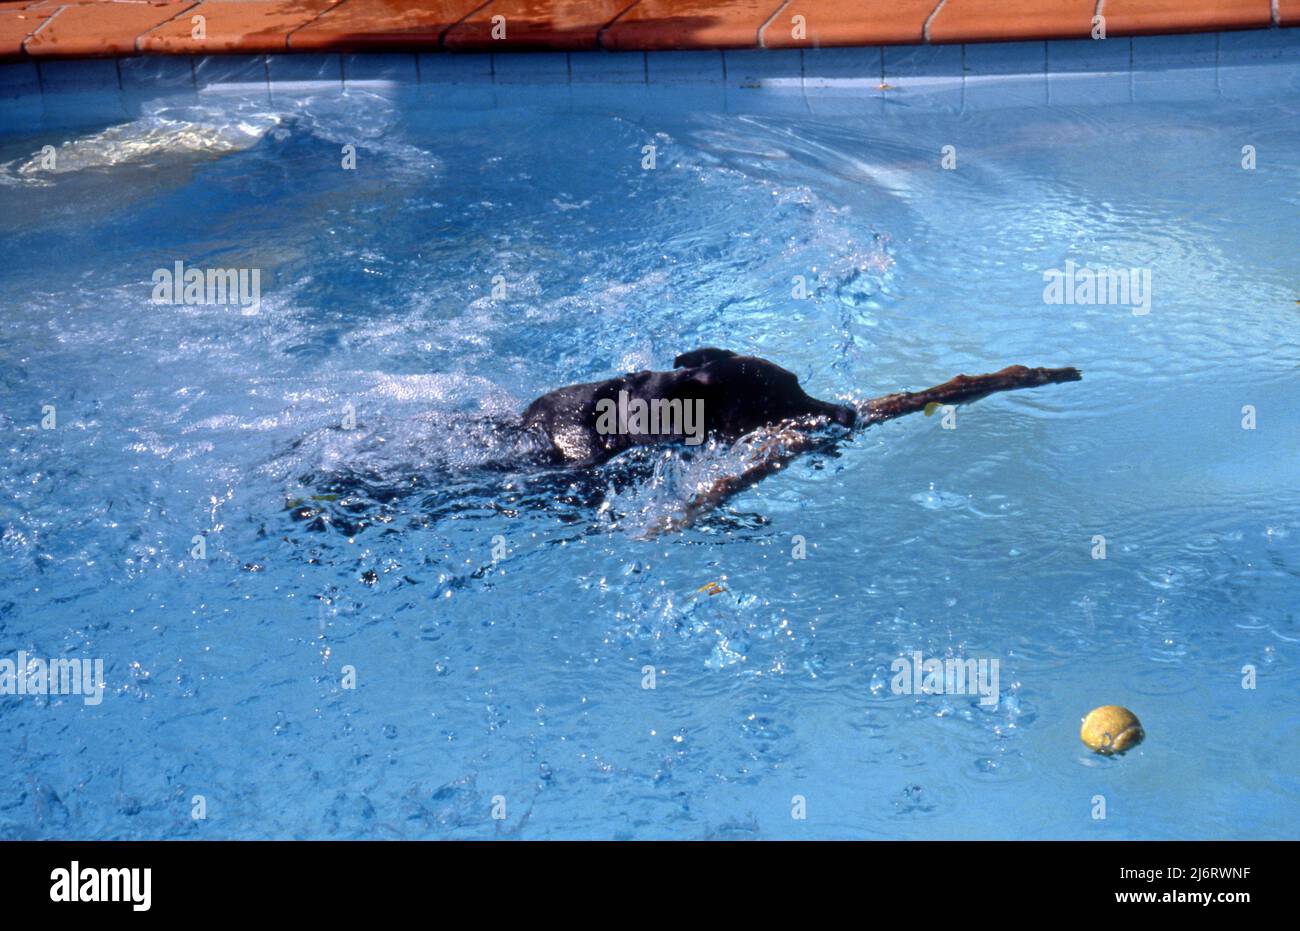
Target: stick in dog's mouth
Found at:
x=961, y=390
x=776, y=446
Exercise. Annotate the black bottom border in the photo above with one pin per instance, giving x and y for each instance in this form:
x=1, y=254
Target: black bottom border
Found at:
x=331, y=879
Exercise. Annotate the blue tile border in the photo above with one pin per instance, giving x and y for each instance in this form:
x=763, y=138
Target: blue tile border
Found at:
x=608, y=68
x=1085, y=56
x=1252, y=63
x=999, y=59
x=447, y=68
x=533, y=68
x=243, y=73
x=294, y=71
x=1175, y=67
x=924, y=62
x=684, y=67
x=20, y=79
x=78, y=75
x=764, y=68
x=1007, y=74
x=844, y=68
x=974, y=76
x=141, y=75
x=1270, y=45
x=1083, y=71
x=1182, y=51
x=375, y=69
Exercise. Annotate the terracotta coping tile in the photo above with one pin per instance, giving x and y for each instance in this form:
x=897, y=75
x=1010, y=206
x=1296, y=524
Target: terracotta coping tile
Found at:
x=92, y=28
x=1146, y=17
x=235, y=25
x=1011, y=20
x=383, y=24
x=544, y=24
x=100, y=29
x=849, y=22
x=689, y=24
x=15, y=27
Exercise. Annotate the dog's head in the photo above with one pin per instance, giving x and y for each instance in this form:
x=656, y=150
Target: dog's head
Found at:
x=743, y=393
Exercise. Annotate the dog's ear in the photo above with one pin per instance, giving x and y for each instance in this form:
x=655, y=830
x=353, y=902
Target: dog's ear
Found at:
x=701, y=357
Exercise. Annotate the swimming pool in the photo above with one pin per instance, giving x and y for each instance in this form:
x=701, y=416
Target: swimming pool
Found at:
x=502, y=632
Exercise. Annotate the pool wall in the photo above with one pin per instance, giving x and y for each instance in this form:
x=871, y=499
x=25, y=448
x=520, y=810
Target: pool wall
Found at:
x=965, y=76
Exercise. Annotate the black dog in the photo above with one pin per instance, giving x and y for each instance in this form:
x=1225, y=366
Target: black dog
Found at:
x=709, y=392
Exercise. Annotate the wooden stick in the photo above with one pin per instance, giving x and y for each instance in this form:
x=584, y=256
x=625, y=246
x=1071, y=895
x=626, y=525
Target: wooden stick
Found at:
x=959, y=390
x=772, y=448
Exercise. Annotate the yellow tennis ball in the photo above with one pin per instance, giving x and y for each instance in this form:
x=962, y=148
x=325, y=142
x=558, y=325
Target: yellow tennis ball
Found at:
x=1111, y=729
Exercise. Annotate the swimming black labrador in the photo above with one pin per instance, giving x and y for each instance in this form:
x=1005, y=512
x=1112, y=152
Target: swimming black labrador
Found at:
x=710, y=393
x=715, y=392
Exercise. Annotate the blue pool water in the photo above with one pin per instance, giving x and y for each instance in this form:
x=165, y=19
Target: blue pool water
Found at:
x=499, y=623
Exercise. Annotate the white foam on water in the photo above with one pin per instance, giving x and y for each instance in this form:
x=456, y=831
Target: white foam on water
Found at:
x=135, y=142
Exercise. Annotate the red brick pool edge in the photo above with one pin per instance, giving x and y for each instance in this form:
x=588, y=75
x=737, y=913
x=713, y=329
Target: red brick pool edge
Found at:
x=97, y=28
